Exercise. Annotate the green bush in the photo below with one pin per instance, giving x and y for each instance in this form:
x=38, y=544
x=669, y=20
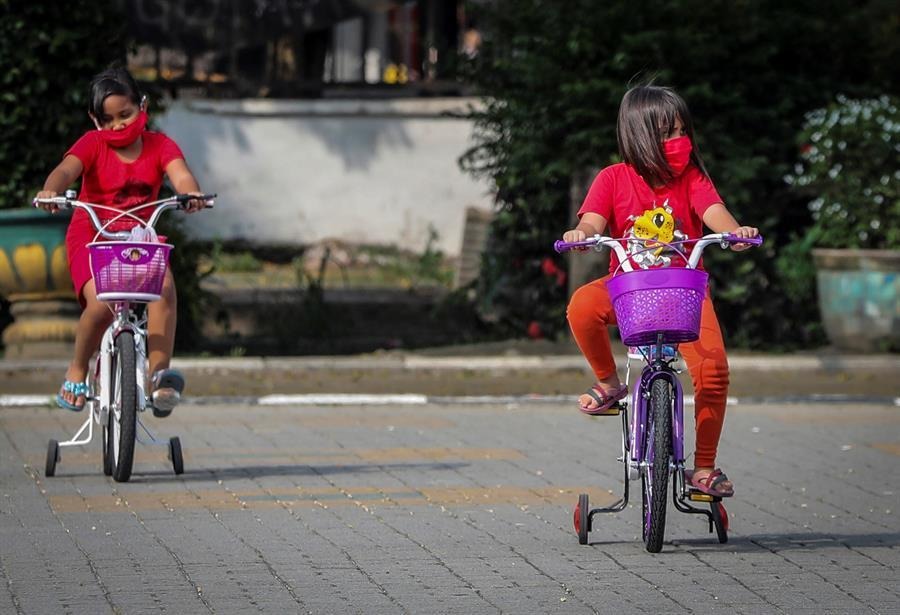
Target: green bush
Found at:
x=849, y=153
x=552, y=75
x=48, y=53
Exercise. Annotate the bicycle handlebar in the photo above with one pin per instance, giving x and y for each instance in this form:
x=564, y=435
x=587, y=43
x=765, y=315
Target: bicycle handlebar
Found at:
x=724, y=239
x=177, y=201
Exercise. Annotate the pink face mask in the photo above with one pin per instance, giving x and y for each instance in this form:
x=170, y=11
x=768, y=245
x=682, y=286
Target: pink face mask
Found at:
x=127, y=135
x=678, y=153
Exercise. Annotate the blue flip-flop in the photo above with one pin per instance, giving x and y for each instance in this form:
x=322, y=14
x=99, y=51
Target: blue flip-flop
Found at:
x=164, y=401
x=79, y=389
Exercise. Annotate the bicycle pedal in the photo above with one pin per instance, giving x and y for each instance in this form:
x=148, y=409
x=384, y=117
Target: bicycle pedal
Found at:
x=613, y=410
x=697, y=496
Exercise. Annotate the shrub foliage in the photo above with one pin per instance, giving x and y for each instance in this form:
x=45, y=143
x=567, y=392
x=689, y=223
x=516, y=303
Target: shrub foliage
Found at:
x=552, y=75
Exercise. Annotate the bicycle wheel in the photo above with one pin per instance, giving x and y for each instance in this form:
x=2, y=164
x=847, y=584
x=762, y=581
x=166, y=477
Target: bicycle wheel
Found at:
x=106, y=439
x=655, y=474
x=175, y=455
x=582, y=518
x=52, y=458
x=123, y=414
x=720, y=520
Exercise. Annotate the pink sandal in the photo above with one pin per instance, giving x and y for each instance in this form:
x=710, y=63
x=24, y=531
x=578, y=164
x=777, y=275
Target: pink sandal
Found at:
x=605, y=399
x=709, y=484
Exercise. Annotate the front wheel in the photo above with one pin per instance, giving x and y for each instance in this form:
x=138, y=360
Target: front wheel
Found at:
x=655, y=472
x=123, y=414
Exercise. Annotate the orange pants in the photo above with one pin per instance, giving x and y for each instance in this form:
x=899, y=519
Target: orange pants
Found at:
x=590, y=311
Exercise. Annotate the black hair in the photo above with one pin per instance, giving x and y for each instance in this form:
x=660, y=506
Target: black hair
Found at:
x=646, y=116
x=112, y=82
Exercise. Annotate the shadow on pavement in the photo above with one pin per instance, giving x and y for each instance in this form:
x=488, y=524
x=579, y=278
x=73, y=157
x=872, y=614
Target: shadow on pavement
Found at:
x=251, y=472
x=786, y=542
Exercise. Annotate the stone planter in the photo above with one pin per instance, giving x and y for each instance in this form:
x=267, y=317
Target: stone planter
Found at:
x=859, y=298
x=34, y=278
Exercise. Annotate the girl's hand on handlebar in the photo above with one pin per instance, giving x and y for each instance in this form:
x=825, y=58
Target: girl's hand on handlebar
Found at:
x=573, y=236
x=744, y=231
x=47, y=194
x=195, y=205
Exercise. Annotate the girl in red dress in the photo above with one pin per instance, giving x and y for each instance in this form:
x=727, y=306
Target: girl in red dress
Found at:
x=121, y=165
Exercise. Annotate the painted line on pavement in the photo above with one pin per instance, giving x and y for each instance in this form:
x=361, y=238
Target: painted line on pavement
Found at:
x=414, y=399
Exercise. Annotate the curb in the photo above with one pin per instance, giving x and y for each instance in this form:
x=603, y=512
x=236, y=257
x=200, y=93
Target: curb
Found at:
x=764, y=363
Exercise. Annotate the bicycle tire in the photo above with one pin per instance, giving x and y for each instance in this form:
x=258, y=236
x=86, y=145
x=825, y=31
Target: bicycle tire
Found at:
x=106, y=439
x=720, y=521
x=655, y=475
x=124, y=394
x=582, y=518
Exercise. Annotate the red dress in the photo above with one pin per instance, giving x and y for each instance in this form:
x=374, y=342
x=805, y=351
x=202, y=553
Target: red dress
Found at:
x=108, y=180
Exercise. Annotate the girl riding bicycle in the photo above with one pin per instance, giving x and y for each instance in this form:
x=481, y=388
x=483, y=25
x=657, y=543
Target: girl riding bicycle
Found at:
x=121, y=165
x=661, y=192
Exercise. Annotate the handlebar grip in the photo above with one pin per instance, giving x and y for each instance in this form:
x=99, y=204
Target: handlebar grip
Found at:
x=564, y=246
x=754, y=241
x=184, y=198
x=60, y=201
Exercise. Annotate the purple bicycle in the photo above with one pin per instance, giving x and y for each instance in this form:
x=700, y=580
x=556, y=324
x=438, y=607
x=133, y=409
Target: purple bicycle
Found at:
x=656, y=309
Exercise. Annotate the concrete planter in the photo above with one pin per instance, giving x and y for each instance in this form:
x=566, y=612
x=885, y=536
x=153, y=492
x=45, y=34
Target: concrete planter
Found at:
x=859, y=298
x=34, y=278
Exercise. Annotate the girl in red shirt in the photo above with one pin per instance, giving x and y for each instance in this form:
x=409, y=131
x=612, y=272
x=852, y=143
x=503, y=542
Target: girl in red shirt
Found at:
x=661, y=191
x=121, y=165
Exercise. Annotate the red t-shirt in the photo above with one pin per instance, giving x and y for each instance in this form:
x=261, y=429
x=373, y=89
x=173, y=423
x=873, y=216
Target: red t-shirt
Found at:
x=108, y=180
x=632, y=208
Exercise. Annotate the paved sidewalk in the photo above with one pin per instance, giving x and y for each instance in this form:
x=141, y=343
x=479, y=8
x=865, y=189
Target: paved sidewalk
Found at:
x=438, y=508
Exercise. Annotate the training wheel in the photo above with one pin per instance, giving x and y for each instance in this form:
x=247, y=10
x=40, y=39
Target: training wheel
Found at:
x=720, y=520
x=175, y=455
x=52, y=458
x=582, y=518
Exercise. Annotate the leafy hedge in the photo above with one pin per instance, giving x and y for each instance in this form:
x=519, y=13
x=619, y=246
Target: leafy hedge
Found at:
x=49, y=51
x=553, y=74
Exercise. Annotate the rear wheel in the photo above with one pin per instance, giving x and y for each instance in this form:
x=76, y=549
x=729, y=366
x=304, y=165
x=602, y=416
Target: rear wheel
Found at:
x=175, y=455
x=582, y=518
x=123, y=414
x=655, y=473
x=720, y=520
x=52, y=458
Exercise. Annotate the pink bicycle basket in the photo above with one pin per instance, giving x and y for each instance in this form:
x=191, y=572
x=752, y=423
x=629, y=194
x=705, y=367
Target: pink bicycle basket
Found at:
x=652, y=301
x=129, y=270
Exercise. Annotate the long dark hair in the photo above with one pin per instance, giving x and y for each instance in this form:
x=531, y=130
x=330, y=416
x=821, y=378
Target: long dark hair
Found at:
x=646, y=116
x=114, y=81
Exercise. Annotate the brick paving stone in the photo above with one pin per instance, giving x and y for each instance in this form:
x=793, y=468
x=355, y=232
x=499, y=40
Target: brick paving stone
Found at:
x=444, y=509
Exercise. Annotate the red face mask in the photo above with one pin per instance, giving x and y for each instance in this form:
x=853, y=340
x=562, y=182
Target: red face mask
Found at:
x=127, y=135
x=678, y=153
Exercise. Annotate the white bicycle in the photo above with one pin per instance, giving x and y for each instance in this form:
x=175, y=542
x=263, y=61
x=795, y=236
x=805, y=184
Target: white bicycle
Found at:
x=126, y=273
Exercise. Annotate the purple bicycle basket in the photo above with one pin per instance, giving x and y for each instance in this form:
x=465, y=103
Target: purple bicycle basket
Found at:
x=652, y=301
x=129, y=270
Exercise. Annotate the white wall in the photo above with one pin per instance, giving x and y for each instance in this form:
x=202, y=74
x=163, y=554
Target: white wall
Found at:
x=298, y=172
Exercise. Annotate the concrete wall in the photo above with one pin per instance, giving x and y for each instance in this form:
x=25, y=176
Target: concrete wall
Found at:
x=298, y=172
